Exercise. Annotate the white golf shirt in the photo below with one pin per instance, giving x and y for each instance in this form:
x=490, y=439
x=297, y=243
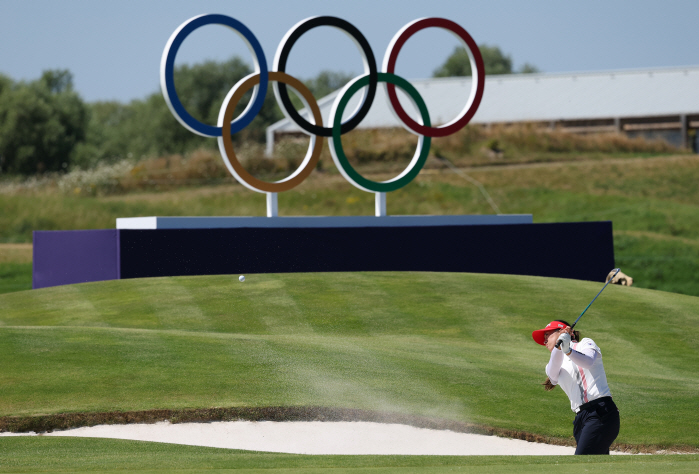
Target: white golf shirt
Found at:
x=580, y=374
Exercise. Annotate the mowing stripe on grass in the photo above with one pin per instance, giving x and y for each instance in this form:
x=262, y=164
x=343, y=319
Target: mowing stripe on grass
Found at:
x=452, y=346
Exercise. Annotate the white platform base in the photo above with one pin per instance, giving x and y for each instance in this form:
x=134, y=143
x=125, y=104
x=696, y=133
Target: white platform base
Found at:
x=315, y=222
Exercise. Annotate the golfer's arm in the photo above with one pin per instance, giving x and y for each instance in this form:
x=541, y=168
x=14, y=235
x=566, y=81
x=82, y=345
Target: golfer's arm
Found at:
x=553, y=368
x=583, y=359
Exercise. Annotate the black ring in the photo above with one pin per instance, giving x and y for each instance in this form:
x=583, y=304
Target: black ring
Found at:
x=373, y=74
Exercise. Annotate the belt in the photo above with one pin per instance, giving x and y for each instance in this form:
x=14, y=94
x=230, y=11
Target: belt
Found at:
x=593, y=403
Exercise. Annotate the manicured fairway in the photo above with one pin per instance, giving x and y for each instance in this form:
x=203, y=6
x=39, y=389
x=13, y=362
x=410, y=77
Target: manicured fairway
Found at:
x=97, y=455
x=451, y=346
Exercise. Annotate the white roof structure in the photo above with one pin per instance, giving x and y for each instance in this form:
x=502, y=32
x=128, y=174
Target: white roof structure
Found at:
x=537, y=98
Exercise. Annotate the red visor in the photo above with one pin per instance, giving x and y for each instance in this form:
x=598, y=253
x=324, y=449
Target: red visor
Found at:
x=538, y=335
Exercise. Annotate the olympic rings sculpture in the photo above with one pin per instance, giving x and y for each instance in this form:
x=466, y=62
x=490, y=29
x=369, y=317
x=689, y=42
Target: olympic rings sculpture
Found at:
x=367, y=83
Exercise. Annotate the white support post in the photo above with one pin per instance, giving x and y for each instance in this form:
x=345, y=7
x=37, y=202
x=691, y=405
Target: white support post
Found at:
x=380, y=206
x=269, y=148
x=272, y=206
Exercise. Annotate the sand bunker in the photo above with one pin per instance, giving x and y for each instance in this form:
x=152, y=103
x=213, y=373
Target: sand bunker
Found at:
x=317, y=437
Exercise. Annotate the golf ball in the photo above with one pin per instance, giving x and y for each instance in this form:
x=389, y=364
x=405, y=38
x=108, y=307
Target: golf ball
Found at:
x=241, y=278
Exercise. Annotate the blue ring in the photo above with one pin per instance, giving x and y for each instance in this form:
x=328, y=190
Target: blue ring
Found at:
x=177, y=107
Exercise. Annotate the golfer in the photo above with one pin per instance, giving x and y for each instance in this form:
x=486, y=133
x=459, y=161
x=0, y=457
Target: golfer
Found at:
x=577, y=368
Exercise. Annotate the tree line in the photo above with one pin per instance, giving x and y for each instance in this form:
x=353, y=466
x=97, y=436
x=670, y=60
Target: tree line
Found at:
x=45, y=126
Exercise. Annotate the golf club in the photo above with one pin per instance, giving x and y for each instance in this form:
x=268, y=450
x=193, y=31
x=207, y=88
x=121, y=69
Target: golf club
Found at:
x=616, y=270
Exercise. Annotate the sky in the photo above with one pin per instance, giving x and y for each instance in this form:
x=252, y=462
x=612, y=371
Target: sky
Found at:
x=113, y=48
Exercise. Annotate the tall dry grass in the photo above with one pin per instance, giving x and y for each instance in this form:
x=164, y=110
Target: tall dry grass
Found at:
x=369, y=151
x=531, y=142
x=201, y=167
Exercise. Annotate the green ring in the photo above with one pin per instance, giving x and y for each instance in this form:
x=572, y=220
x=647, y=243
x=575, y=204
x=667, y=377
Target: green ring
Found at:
x=336, y=143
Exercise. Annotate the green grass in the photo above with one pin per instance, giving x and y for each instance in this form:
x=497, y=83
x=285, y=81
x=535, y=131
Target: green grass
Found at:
x=452, y=346
x=15, y=277
x=660, y=262
x=100, y=455
x=651, y=201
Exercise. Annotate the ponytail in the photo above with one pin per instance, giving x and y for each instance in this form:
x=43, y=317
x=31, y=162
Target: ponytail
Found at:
x=548, y=386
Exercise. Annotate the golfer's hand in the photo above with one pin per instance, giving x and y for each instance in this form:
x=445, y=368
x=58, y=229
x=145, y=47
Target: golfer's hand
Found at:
x=564, y=339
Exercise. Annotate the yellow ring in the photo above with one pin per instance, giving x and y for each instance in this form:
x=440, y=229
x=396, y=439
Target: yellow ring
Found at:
x=226, y=144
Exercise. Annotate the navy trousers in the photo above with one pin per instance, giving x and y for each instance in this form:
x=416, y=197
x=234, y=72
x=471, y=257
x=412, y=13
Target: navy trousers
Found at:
x=596, y=426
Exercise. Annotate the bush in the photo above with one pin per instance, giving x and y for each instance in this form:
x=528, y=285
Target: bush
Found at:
x=103, y=179
x=41, y=123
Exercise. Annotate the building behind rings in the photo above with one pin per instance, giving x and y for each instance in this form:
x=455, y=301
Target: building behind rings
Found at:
x=660, y=103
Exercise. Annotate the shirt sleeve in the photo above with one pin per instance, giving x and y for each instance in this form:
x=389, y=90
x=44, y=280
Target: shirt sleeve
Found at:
x=553, y=368
x=583, y=355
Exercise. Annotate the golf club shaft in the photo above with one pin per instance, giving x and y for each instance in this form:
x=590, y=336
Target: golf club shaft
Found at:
x=616, y=270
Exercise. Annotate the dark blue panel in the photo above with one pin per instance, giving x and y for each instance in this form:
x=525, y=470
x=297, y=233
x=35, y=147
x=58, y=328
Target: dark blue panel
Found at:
x=581, y=250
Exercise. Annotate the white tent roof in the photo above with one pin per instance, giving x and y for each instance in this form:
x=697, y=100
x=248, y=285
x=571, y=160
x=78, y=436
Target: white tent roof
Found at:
x=540, y=97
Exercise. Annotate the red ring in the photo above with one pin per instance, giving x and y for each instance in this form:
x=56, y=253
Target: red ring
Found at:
x=390, y=65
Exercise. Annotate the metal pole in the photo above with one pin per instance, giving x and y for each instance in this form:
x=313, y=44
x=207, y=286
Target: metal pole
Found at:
x=380, y=204
x=272, y=206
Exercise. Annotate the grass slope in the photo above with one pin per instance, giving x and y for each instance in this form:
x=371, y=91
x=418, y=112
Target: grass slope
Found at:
x=15, y=277
x=652, y=202
x=454, y=346
x=15, y=267
x=90, y=455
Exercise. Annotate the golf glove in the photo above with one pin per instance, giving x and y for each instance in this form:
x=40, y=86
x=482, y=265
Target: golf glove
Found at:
x=564, y=339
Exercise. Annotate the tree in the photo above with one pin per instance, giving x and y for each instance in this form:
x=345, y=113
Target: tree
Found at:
x=41, y=122
x=326, y=82
x=202, y=87
x=147, y=127
x=494, y=60
x=527, y=68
